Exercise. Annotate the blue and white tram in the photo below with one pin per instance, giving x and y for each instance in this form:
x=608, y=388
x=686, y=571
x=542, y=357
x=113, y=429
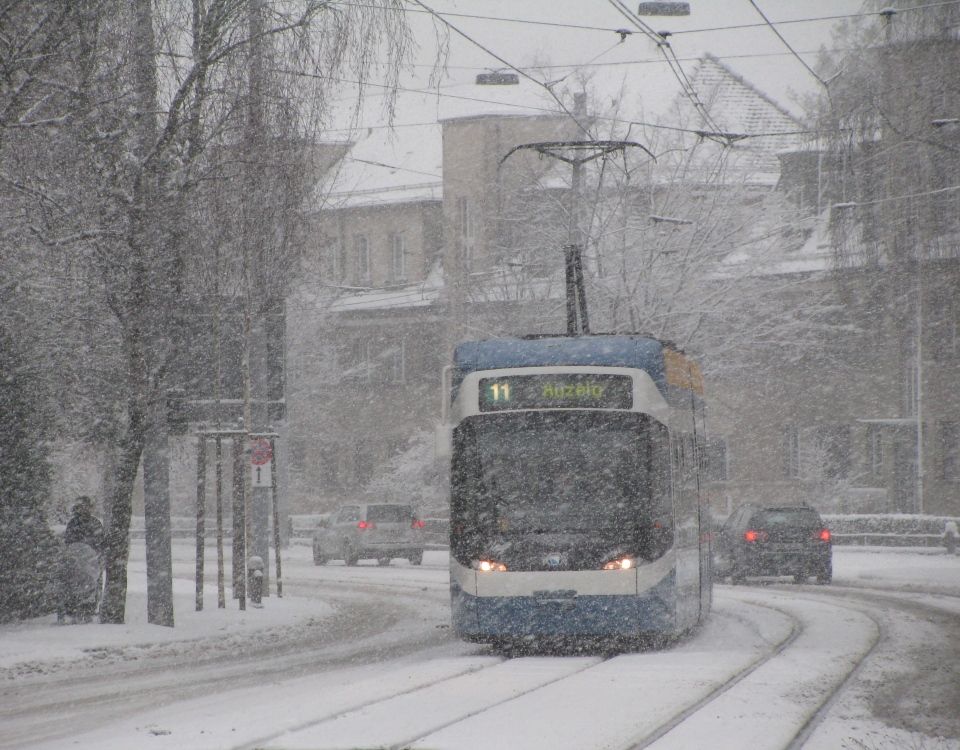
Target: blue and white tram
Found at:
x=575, y=510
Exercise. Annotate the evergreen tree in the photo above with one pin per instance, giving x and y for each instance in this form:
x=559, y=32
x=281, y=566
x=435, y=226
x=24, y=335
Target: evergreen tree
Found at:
x=27, y=545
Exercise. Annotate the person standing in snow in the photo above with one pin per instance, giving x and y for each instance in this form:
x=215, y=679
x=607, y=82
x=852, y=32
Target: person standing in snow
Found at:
x=83, y=525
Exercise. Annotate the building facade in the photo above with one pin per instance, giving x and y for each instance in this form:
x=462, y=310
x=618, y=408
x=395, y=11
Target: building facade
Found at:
x=819, y=391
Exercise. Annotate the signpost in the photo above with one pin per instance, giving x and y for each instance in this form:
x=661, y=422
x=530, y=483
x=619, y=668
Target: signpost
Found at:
x=263, y=480
x=261, y=463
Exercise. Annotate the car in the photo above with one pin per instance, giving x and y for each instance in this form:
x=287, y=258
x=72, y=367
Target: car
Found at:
x=774, y=541
x=370, y=530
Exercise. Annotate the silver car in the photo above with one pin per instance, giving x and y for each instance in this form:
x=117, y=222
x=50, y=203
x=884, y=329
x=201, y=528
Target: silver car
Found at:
x=369, y=530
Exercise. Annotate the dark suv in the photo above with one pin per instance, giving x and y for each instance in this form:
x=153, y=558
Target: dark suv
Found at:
x=774, y=541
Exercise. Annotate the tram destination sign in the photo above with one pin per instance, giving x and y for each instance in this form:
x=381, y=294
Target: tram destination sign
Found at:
x=556, y=391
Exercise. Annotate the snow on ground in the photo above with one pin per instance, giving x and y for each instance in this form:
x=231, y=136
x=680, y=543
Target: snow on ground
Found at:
x=224, y=719
x=42, y=642
x=927, y=570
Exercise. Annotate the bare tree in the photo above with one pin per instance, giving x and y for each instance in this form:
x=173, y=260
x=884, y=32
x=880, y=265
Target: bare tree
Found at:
x=146, y=101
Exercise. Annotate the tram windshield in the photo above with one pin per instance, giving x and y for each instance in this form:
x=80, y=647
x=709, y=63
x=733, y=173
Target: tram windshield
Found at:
x=601, y=475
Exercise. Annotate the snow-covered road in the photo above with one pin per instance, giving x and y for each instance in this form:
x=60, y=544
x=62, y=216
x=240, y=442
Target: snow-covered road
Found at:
x=363, y=658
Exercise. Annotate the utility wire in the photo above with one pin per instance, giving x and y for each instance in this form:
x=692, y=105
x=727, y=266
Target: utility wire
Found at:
x=534, y=108
x=786, y=44
x=902, y=197
x=513, y=67
x=393, y=166
x=648, y=61
x=708, y=29
x=673, y=62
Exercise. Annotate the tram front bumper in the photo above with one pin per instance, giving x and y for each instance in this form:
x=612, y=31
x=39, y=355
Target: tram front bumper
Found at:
x=564, y=612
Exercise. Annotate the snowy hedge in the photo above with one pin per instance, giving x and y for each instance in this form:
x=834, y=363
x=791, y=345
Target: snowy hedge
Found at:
x=888, y=529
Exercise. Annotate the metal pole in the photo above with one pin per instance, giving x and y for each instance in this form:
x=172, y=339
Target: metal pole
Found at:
x=240, y=476
x=569, y=252
x=577, y=319
x=574, y=238
x=276, y=517
x=919, y=366
x=201, y=513
x=221, y=594
x=581, y=290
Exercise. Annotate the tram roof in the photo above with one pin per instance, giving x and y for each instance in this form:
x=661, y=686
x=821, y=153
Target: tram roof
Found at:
x=640, y=352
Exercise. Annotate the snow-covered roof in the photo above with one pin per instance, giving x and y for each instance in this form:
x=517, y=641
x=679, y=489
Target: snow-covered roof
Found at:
x=387, y=166
x=766, y=258
x=421, y=294
x=737, y=108
x=402, y=161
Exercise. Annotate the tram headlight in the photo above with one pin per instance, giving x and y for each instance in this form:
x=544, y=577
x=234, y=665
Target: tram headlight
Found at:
x=488, y=566
x=621, y=563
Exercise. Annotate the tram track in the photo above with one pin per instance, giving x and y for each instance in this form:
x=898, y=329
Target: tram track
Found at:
x=427, y=735
x=679, y=718
x=779, y=621
x=556, y=673
x=917, y=694
x=133, y=678
x=824, y=709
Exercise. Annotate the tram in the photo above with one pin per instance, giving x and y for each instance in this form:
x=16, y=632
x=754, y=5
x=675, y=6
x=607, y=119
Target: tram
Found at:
x=575, y=504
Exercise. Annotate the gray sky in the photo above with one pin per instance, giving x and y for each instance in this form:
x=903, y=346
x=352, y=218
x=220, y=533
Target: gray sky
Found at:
x=559, y=40
x=753, y=51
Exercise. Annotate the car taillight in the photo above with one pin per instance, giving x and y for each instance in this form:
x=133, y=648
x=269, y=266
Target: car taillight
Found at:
x=620, y=563
x=417, y=524
x=488, y=566
x=752, y=535
x=366, y=525
x=824, y=535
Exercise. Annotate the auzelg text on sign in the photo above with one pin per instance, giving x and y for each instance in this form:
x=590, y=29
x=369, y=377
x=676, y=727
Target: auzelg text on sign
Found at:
x=556, y=391
x=569, y=391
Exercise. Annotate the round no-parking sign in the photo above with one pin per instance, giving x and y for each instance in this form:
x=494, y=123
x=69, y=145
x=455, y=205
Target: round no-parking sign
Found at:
x=261, y=452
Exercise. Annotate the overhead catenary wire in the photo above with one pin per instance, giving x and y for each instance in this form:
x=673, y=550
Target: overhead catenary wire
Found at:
x=666, y=49
x=509, y=105
x=677, y=32
x=510, y=65
x=787, y=44
x=891, y=198
x=534, y=108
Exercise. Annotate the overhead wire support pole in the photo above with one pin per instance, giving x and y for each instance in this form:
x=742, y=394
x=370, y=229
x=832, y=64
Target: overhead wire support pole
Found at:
x=576, y=154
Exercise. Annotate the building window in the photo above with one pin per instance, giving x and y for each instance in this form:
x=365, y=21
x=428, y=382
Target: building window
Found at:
x=360, y=360
x=338, y=262
x=465, y=231
x=398, y=258
x=832, y=458
x=911, y=390
x=946, y=340
x=950, y=450
x=716, y=461
x=328, y=467
x=362, y=463
x=398, y=362
x=791, y=451
x=875, y=451
x=361, y=254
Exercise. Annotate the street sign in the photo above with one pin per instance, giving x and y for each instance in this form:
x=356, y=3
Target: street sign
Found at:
x=260, y=452
x=261, y=475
